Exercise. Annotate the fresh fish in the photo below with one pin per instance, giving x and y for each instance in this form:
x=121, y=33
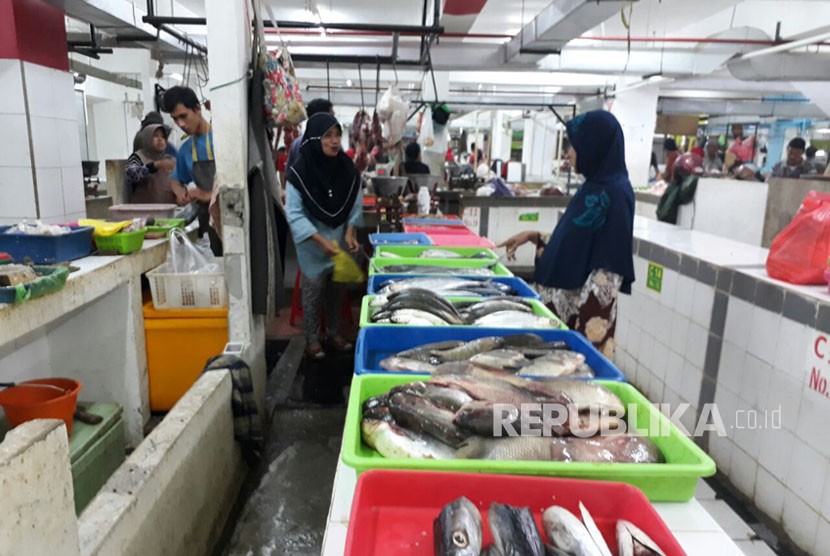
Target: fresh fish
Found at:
x=593, y=530
x=425, y=307
x=420, y=415
x=616, y=449
x=496, y=305
x=567, y=532
x=417, y=317
x=514, y=531
x=469, y=349
x=406, y=365
x=493, y=390
x=379, y=413
x=392, y=441
x=500, y=359
x=463, y=368
x=432, y=284
x=634, y=542
x=556, y=363
x=585, y=395
x=457, y=529
x=427, y=348
x=526, y=340
x=515, y=319
x=449, y=398
x=440, y=254
x=478, y=417
x=414, y=388
x=376, y=401
x=378, y=301
x=427, y=269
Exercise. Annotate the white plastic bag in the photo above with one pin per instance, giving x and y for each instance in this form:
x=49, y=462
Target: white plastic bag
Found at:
x=393, y=110
x=426, y=137
x=186, y=257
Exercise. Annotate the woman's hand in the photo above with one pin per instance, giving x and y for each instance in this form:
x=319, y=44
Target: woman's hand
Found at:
x=329, y=247
x=516, y=241
x=199, y=195
x=351, y=241
x=166, y=164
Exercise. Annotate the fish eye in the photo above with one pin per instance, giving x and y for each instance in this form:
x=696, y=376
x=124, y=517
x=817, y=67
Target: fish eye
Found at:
x=459, y=539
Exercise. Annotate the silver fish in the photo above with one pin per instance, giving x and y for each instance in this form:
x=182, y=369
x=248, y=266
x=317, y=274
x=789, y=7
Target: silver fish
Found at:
x=440, y=254
x=457, y=529
x=556, y=363
x=615, y=449
x=515, y=319
x=450, y=398
x=514, y=531
x=500, y=359
x=634, y=542
x=427, y=348
x=394, y=442
x=416, y=316
x=433, y=284
x=403, y=364
x=593, y=530
x=567, y=532
x=469, y=349
x=428, y=269
x=420, y=415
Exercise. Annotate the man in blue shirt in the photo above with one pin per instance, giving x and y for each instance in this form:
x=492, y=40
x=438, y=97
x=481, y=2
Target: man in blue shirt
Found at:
x=192, y=180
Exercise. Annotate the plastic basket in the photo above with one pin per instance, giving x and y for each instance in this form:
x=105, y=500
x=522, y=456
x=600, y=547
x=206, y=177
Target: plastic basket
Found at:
x=122, y=243
x=49, y=280
x=459, y=240
x=520, y=287
x=376, y=343
x=366, y=311
x=163, y=226
x=182, y=291
x=399, y=239
x=673, y=481
x=416, y=251
x=48, y=249
x=377, y=266
x=389, y=516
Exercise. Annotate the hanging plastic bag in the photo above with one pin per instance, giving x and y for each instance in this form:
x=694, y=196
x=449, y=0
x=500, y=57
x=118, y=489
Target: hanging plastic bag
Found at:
x=346, y=269
x=798, y=254
x=393, y=112
x=187, y=257
x=426, y=137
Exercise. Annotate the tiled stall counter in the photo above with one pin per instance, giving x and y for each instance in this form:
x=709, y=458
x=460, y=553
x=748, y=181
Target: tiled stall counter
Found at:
x=704, y=324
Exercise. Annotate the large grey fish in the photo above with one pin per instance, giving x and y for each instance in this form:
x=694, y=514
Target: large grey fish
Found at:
x=440, y=254
x=406, y=365
x=427, y=269
x=420, y=415
x=423, y=350
x=556, y=363
x=479, y=417
x=394, y=442
x=449, y=398
x=514, y=531
x=501, y=359
x=515, y=319
x=620, y=448
x=496, y=305
x=568, y=533
x=469, y=349
x=432, y=284
x=494, y=390
x=526, y=340
x=633, y=541
x=417, y=317
x=457, y=529
x=424, y=306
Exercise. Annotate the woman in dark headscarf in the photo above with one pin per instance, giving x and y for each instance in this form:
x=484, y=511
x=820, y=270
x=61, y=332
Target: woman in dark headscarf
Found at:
x=324, y=205
x=588, y=260
x=148, y=168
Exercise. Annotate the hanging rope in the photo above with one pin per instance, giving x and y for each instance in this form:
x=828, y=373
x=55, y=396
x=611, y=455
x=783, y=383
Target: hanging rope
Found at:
x=360, y=77
x=627, y=24
x=377, y=83
x=328, y=81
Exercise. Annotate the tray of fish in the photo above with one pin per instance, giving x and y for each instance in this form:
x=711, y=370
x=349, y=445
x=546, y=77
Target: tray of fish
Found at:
x=480, y=421
x=417, y=307
x=452, y=286
x=470, y=513
x=441, y=267
x=432, y=252
x=399, y=239
x=543, y=354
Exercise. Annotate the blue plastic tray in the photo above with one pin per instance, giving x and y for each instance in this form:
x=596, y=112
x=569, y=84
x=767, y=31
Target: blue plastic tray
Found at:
x=521, y=287
x=375, y=343
x=399, y=239
x=47, y=250
x=434, y=222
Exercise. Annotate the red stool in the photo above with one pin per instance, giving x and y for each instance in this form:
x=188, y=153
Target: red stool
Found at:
x=297, y=306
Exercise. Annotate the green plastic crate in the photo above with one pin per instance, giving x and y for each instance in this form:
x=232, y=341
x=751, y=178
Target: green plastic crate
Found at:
x=366, y=311
x=123, y=243
x=163, y=226
x=673, y=481
x=414, y=251
x=95, y=451
x=377, y=264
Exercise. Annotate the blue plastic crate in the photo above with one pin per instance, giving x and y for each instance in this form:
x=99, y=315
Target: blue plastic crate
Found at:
x=376, y=343
x=399, y=239
x=47, y=250
x=521, y=287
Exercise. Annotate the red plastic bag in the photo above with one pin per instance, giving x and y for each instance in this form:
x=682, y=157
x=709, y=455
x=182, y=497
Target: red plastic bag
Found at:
x=798, y=254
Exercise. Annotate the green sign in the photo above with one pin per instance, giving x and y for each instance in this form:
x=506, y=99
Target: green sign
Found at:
x=654, y=281
x=529, y=217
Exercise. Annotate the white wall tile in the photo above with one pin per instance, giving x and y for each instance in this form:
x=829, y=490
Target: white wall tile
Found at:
x=63, y=91
x=14, y=141
x=748, y=435
x=727, y=402
x=701, y=312
x=720, y=449
x=732, y=364
x=822, y=536
x=679, y=333
x=621, y=331
x=743, y=472
x=646, y=350
x=668, y=297
x=786, y=393
x=660, y=360
x=684, y=296
x=794, y=347
x=738, y=321
x=40, y=82
x=674, y=370
x=799, y=521
x=49, y=192
x=690, y=385
x=812, y=421
x=763, y=334
x=776, y=450
x=825, y=501
x=696, y=343
x=754, y=381
x=11, y=88
x=634, y=333
x=806, y=477
x=72, y=179
x=769, y=494
x=69, y=142
x=17, y=193
x=45, y=142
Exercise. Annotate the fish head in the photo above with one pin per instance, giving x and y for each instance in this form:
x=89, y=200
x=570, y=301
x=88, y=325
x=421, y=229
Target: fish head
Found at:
x=457, y=529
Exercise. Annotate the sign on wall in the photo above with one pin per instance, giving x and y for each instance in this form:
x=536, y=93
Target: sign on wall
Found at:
x=654, y=280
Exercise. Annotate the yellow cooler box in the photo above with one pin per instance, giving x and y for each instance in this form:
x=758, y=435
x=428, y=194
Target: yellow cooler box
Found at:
x=179, y=343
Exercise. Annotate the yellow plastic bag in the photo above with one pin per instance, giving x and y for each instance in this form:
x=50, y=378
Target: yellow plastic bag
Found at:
x=103, y=228
x=346, y=270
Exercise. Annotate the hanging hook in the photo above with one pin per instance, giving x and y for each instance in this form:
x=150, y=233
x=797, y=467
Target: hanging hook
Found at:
x=395, y=69
x=328, y=80
x=377, y=81
x=360, y=77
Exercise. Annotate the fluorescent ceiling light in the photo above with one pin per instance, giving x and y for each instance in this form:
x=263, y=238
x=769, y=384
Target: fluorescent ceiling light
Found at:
x=177, y=76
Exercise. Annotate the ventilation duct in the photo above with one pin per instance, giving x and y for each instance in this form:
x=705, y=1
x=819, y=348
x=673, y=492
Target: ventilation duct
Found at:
x=781, y=67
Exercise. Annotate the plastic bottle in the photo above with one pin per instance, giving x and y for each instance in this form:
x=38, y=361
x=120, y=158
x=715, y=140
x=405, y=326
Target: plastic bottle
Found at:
x=423, y=200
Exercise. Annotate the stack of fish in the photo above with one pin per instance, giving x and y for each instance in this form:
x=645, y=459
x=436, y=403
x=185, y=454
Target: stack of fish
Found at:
x=420, y=307
x=525, y=354
x=436, y=253
x=459, y=287
x=457, y=531
x=456, y=416
x=439, y=270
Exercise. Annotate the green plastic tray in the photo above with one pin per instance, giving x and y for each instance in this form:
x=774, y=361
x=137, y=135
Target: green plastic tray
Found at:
x=123, y=243
x=164, y=225
x=673, y=481
x=538, y=309
x=377, y=264
x=414, y=251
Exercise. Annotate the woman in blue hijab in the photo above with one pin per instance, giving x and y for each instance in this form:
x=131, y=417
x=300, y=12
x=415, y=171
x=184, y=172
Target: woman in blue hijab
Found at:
x=588, y=259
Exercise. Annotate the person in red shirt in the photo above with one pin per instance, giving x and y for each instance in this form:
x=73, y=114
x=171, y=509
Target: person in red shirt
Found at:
x=449, y=157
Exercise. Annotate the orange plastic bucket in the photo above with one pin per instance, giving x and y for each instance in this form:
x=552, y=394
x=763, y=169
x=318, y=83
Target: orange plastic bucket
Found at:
x=47, y=398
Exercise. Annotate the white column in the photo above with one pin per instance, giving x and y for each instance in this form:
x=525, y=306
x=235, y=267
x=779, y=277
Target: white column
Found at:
x=229, y=49
x=636, y=109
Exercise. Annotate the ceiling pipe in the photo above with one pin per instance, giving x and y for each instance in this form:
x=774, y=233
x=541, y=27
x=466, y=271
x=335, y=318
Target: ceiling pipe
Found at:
x=821, y=37
x=781, y=67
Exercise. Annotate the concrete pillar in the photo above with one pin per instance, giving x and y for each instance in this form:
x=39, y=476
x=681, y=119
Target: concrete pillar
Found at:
x=40, y=153
x=636, y=109
x=229, y=41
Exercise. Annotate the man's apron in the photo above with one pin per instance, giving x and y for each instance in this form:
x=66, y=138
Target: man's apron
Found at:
x=204, y=174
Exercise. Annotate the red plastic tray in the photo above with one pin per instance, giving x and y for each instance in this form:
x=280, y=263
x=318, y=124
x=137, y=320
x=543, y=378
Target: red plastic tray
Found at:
x=439, y=229
x=460, y=240
x=393, y=511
